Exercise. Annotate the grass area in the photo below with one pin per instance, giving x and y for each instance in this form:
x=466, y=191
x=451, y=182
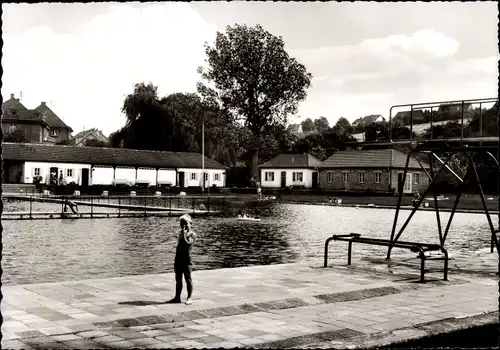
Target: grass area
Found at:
x=467, y=202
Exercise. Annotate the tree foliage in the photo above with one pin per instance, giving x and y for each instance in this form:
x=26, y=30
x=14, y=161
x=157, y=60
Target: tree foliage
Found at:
x=307, y=125
x=343, y=126
x=18, y=135
x=321, y=124
x=95, y=143
x=252, y=77
x=70, y=142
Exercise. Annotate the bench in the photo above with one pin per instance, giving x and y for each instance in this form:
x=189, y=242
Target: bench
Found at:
x=420, y=248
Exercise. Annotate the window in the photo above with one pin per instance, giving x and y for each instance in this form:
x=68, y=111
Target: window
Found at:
x=297, y=176
x=377, y=178
x=269, y=176
x=329, y=176
x=53, y=133
x=216, y=177
x=36, y=171
x=345, y=177
x=416, y=179
x=361, y=178
x=193, y=176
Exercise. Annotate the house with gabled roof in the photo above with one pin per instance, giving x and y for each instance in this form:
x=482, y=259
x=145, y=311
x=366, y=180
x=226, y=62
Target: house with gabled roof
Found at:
x=368, y=120
x=379, y=170
x=16, y=116
x=405, y=117
x=91, y=134
x=59, y=131
x=40, y=125
x=290, y=170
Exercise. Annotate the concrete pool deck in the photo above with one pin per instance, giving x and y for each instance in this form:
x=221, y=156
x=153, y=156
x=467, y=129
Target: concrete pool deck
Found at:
x=300, y=305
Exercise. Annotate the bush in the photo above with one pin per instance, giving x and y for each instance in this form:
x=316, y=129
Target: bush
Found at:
x=37, y=180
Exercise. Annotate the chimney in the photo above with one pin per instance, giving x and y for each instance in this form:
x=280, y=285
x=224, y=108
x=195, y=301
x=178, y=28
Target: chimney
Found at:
x=43, y=103
x=12, y=96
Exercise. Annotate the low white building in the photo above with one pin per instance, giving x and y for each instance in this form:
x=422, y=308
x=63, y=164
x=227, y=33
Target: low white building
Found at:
x=193, y=177
x=71, y=172
x=91, y=166
x=295, y=170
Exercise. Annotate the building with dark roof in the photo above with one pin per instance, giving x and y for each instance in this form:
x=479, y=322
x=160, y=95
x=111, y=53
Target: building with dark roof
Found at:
x=295, y=170
x=59, y=131
x=105, y=166
x=368, y=120
x=90, y=135
x=378, y=170
x=40, y=125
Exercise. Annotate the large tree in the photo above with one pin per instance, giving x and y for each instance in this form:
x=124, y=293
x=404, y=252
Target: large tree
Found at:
x=307, y=125
x=175, y=123
x=343, y=126
x=321, y=124
x=252, y=77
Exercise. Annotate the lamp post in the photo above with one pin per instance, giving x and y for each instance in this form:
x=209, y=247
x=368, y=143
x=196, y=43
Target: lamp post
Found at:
x=203, y=153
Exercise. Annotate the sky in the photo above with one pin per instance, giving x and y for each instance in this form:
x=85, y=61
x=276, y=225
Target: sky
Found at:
x=83, y=59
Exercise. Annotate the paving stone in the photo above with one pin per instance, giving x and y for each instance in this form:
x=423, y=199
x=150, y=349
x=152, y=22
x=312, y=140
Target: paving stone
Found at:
x=208, y=339
x=190, y=315
x=65, y=337
x=121, y=345
x=155, y=333
x=170, y=338
x=231, y=310
x=291, y=342
x=338, y=334
x=92, y=334
x=212, y=312
x=36, y=340
x=140, y=328
x=295, y=302
x=55, y=330
x=129, y=322
x=232, y=336
x=83, y=344
x=145, y=341
x=192, y=335
x=54, y=345
x=265, y=306
x=131, y=335
x=187, y=344
x=82, y=328
x=30, y=334
x=199, y=327
x=107, y=339
x=252, y=333
x=248, y=308
x=166, y=326
x=226, y=344
x=15, y=344
x=151, y=319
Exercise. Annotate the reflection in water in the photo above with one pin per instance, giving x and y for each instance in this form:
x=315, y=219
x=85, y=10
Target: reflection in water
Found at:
x=59, y=250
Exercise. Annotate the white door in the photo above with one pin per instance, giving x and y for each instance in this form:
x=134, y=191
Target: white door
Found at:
x=407, y=188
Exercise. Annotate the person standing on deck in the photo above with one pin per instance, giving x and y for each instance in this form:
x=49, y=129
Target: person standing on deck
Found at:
x=182, y=264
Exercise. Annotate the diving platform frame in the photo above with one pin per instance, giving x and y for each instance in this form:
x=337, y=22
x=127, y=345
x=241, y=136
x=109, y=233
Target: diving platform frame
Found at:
x=470, y=147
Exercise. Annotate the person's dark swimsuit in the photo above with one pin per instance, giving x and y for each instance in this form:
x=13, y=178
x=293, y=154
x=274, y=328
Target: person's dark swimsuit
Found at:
x=183, y=253
x=182, y=266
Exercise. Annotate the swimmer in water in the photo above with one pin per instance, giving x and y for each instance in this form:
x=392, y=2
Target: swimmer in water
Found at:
x=72, y=205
